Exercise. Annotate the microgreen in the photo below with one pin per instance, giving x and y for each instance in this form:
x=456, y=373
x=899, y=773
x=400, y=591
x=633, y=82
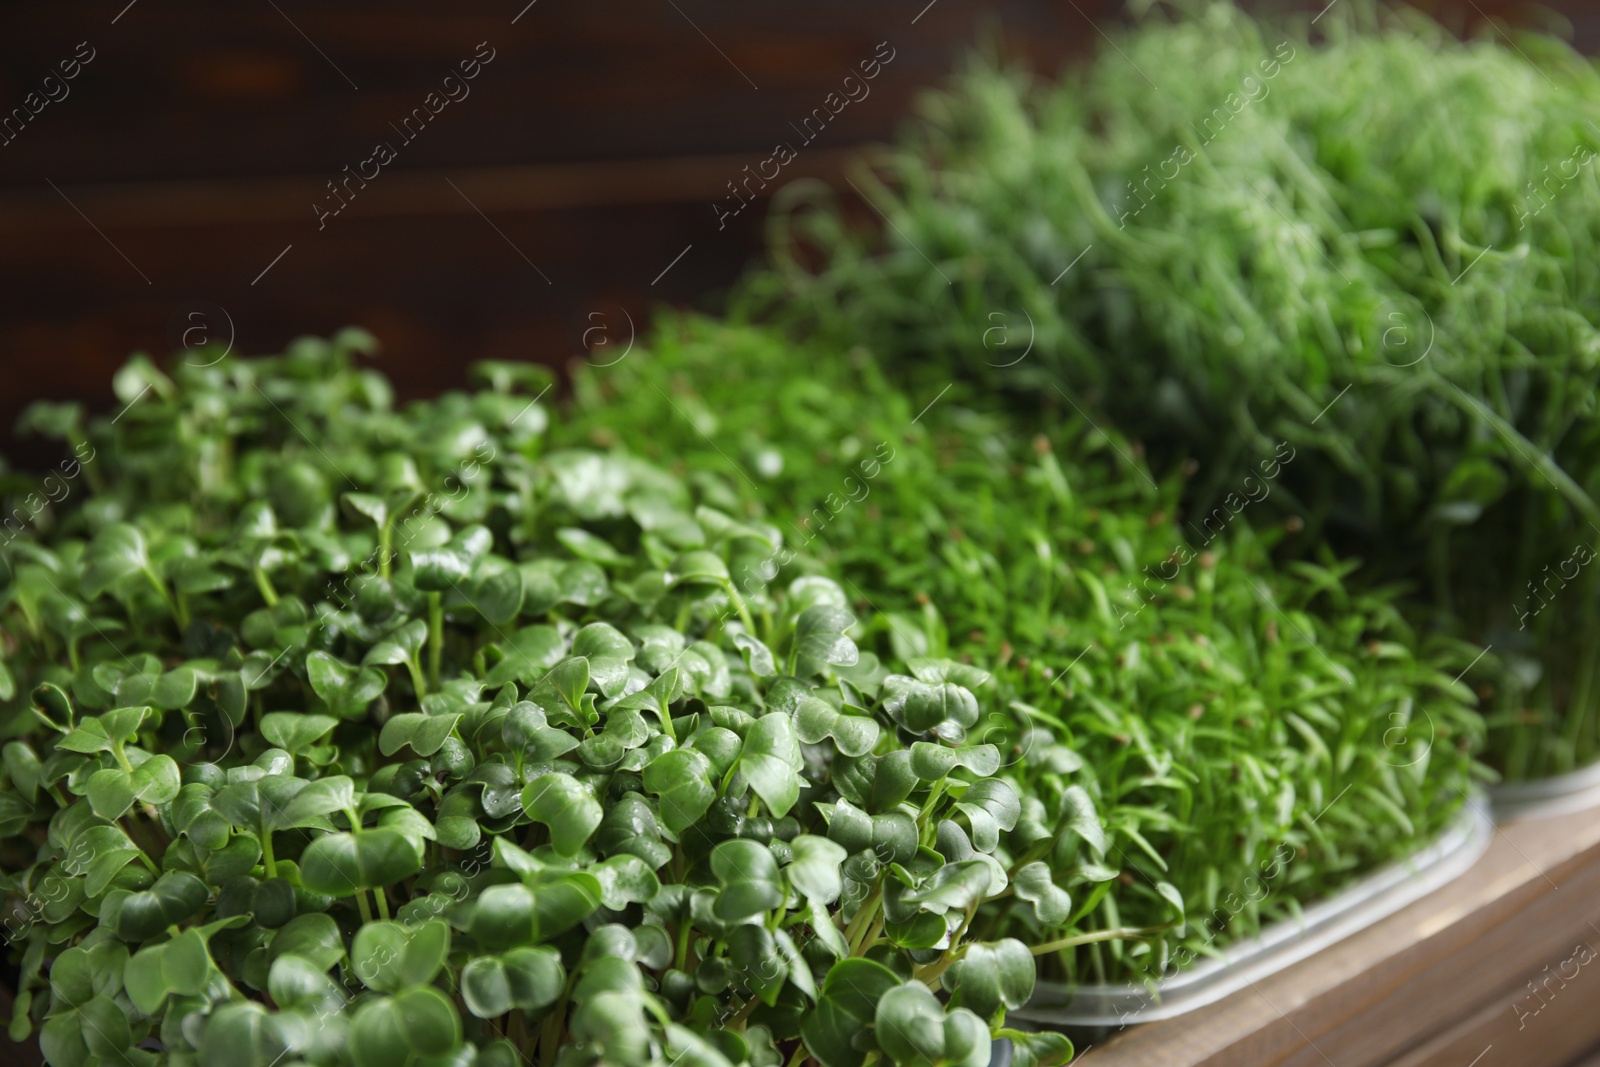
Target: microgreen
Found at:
x=346, y=735
x=1221, y=235
x=1172, y=710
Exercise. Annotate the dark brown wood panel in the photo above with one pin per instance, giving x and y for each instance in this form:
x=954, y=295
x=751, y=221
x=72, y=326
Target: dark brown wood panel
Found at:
x=185, y=89
x=190, y=150
x=188, y=154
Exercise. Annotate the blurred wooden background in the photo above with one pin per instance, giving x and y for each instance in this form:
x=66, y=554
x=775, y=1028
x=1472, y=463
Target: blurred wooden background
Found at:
x=171, y=189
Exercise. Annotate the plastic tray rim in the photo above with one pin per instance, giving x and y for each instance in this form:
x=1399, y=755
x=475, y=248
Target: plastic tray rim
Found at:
x=1375, y=896
x=1556, y=795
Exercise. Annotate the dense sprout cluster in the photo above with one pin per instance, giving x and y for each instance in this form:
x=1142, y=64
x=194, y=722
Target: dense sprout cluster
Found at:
x=347, y=735
x=1365, y=237
x=1202, y=715
x=788, y=700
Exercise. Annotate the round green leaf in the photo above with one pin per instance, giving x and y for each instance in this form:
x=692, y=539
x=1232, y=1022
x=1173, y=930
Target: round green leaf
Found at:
x=1045, y=1048
x=293, y=731
x=615, y=1027
x=624, y=880
x=117, y=552
x=111, y=792
x=485, y=987
x=175, y=689
x=313, y=937
x=390, y=956
x=499, y=596
x=910, y=1024
x=343, y=864
x=147, y=986
x=517, y=915
x=681, y=780
x=771, y=762
x=295, y=980
x=424, y=733
x=854, y=735
x=698, y=566
x=157, y=780
x=176, y=896
x=566, y=806
x=846, y=1006
x=242, y=1034
x=1035, y=886
x=816, y=868
x=991, y=976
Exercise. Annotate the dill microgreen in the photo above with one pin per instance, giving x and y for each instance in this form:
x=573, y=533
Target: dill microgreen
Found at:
x=1175, y=710
x=1222, y=236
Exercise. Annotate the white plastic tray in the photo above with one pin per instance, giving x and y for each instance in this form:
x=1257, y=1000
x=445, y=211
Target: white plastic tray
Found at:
x=1243, y=963
x=1573, y=791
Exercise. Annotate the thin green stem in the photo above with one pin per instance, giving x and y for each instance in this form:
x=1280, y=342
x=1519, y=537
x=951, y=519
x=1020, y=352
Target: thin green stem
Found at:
x=264, y=584
x=871, y=936
x=927, y=830
x=173, y=606
x=931, y=973
x=739, y=604
x=130, y=827
x=555, y=1025
x=684, y=932
x=418, y=683
x=856, y=930
x=96, y=482
x=1120, y=933
x=743, y=1014
x=435, y=637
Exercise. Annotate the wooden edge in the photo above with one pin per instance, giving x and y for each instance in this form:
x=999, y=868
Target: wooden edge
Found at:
x=1546, y=1019
x=1432, y=966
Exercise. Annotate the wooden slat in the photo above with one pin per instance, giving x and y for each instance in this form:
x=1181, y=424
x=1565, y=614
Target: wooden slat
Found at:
x=533, y=187
x=185, y=89
x=1519, y=1028
x=1445, y=965
x=597, y=141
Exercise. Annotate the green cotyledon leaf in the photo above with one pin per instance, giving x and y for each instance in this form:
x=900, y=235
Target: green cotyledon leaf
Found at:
x=343, y=864
x=854, y=735
x=400, y=1029
x=846, y=1007
x=992, y=976
x=911, y=1026
x=568, y=807
x=681, y=780
x=770, y=761
x=391, y=956
x=514, y=915
x=527, y=978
